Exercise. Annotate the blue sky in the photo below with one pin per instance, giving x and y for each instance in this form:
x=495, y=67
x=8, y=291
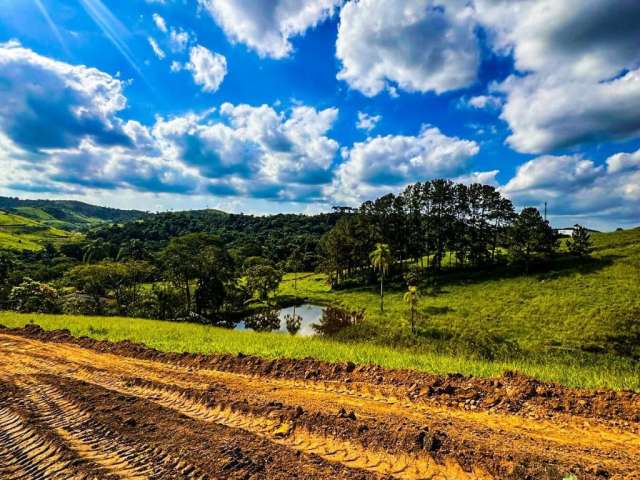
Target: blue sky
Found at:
x=298, y=105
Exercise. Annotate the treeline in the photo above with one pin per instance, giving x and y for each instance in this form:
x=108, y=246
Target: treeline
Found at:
x=435, y=223
x=274, y=237
x=193, y=277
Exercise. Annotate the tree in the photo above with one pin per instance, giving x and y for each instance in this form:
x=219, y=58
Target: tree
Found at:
x=262, y=280
x=95, y=251
x=380, y=259
x=580, y=242
x=7, y=264
x=121, y=279
x=530, y=236
x=34, y=297
x=294, y=264
x=201, y=259
x=411, y=298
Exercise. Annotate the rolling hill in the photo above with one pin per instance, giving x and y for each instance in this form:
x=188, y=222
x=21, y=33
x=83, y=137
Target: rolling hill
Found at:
x=21, y=233
x=66, y=215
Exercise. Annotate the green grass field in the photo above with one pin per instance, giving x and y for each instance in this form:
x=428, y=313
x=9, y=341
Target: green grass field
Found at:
x=609, y=372
x=18, y=233
x=574, y=307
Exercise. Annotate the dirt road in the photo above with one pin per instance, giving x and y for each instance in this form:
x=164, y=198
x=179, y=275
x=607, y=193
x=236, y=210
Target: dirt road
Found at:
x=80, y=409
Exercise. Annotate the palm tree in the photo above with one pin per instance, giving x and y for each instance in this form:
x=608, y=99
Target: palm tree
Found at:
x=380, y=259
x=411, y=298
x=95, y=250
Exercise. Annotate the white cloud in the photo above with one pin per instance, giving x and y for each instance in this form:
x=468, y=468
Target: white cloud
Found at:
x=488, y=102
x=576, y=187
x=45, y=103
x=367, y=122
x=418, y=45
x=624, y=162
x=256, y=151
x=160, y=23
x=387, y=163
x=581, y=59
x=594, y=39
x=546, y=112
x=156, y=48
x=267, y=27
x=553, y=173
x=484, y=178
x=208, y=68
x=178, y=40
x=236, y=150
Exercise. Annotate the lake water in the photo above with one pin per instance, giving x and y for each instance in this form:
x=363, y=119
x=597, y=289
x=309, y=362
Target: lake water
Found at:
x=276, y=321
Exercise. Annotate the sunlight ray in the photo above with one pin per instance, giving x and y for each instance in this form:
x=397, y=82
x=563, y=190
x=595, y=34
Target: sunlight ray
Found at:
x=114, y=30
x=54, y=28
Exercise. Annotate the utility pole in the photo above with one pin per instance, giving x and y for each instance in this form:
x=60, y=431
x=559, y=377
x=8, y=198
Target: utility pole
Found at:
x=545, y=211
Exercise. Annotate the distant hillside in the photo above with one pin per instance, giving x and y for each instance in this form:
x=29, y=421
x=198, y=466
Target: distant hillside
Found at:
x=66, y=214
x=21, y=233
x=230, y=227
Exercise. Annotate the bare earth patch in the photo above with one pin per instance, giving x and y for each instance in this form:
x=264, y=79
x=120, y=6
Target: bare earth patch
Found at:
x=81, y=408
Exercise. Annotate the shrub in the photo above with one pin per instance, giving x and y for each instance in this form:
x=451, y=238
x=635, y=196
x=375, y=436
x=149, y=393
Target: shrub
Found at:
x=34, y=297
x=81, y=304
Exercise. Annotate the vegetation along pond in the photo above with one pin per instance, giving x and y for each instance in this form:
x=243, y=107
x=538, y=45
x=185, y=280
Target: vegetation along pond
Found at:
x=301, y=320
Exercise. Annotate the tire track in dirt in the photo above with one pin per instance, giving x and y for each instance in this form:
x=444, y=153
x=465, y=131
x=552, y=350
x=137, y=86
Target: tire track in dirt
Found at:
x=472, y=444
x=376, y=400
x=285, y=433
x=96, y=444
x=25, y=454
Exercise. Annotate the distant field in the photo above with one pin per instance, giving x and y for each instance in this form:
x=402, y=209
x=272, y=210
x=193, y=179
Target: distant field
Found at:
x=571, y=308
x=608, y=372
x=21, y=233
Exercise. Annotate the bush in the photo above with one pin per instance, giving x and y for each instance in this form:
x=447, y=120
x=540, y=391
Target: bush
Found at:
x=81, y=304
x=34, y=297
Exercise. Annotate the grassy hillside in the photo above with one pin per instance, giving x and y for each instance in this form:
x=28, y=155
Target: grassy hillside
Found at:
x=578, y=306
x=66, y=214
x=21, y=233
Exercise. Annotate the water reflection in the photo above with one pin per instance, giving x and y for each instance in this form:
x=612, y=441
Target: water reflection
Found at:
x=302, y=320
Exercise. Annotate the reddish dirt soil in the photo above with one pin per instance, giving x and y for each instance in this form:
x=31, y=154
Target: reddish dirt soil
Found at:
x=77, y=408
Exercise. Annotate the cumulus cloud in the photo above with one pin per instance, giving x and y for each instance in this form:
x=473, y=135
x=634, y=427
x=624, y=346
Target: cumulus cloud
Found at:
x=267, y=27
x=45, y=103
x=208, y=68
x=367, y=122
x=257, y=150
x=546, y=112
x=418, y=45
x=387, y=163
x=624, y=162
x=178, y=40
x=578, y=38
x=485, y=178
x=575, y=186
x=239, y=150
x=578, y=60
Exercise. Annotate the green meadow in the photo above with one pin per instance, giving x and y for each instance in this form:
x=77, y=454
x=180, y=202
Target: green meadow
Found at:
x=606, y=371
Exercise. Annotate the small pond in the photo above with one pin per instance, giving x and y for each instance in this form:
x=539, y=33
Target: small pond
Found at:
x=301, y=320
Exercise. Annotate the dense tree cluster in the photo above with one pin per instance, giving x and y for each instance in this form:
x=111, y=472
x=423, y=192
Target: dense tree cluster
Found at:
x=470, y=224
x=278, y=238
